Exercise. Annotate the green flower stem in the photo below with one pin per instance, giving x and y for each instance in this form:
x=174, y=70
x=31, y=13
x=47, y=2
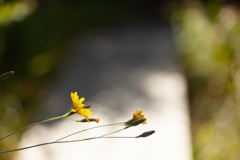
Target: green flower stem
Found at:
x=118, y=137
x=88, y=129
x=34, y=124
x=43, y=144
x=19, y=149
x=58, y=141
x=113, y=132
x=69, y=119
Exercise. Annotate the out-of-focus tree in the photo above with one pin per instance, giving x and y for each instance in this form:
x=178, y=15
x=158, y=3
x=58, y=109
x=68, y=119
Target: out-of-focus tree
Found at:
x=208, y=37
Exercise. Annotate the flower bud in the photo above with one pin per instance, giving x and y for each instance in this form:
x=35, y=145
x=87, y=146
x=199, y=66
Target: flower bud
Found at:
x=90, y=120
x=146, y=134
x=6, y=75
x=136, y=122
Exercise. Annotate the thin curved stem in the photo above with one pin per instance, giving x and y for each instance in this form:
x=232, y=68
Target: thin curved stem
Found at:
x=58, y=141
x=113, y=132
x=43, y=144
x=87, y=130
x=34, y=124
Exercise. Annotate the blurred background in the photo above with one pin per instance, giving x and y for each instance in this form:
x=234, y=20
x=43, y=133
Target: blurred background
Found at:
x=176, y=60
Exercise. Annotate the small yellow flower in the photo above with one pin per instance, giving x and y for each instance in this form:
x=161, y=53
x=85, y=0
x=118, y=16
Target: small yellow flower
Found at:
x=138, y=115
x=78, y=106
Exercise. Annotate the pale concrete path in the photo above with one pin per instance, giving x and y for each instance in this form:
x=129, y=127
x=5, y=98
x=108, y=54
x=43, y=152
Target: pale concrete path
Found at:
x=118, y=71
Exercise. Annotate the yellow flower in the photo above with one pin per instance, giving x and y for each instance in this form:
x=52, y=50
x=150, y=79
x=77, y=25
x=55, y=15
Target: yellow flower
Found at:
x=138, y=115
x=78, y=106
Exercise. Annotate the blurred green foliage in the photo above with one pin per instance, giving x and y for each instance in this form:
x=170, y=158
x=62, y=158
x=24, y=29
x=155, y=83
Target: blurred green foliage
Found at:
x=10, y=105
x=208, y=37
x=11, y=110
x=34, y=37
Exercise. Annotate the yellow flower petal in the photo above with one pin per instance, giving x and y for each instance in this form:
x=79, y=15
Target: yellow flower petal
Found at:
x=78, y=106
x=73, y=110
x=138, y=115
x=86, y=111
x=81, y=100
